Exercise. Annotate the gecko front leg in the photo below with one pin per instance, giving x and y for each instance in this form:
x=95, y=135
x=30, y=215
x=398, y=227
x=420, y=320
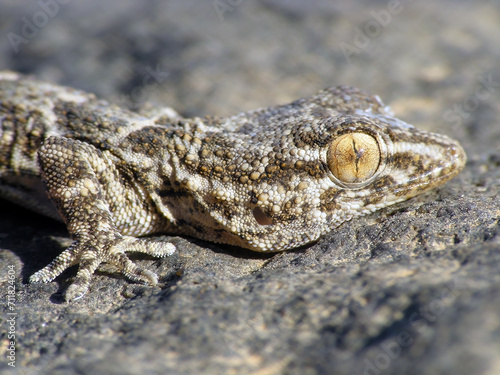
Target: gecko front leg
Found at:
x=79, y=179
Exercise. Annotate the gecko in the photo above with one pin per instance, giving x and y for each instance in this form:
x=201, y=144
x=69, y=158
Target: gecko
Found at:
x=268, y=180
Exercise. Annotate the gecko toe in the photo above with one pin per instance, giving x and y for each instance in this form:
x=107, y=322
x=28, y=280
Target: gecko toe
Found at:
x=66, y=259
x=76, y=290
x=132, y=271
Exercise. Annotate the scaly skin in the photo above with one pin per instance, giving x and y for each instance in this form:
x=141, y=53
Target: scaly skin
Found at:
x=267, y=180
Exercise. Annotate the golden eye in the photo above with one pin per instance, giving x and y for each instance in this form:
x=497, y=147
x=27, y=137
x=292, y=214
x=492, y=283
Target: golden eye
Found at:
x=354, y=157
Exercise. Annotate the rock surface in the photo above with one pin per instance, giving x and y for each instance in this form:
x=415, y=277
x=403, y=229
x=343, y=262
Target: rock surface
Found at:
x=413, y=289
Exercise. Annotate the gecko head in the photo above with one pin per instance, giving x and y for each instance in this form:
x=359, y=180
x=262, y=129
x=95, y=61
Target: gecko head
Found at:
x=307, y=167
x=352, y=169
x=374, y=162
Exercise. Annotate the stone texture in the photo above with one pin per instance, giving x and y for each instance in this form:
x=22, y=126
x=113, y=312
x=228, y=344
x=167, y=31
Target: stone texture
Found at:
x=413, y=289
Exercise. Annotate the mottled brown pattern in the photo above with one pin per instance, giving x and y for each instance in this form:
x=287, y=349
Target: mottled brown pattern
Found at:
x=259, y=180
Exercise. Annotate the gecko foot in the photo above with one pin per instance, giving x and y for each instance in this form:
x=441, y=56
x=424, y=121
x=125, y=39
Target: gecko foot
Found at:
x=90, y=257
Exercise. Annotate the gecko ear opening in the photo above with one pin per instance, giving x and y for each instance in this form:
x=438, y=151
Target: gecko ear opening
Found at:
x=261, y=217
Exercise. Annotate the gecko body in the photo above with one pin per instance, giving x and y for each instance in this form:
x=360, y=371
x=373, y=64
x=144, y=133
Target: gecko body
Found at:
x=268, y=180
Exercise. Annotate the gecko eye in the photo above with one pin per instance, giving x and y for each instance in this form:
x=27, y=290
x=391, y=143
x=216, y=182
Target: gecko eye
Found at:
x=354, y=157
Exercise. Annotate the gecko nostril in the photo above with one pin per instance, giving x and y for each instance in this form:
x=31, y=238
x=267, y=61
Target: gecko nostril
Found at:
x=261, y=217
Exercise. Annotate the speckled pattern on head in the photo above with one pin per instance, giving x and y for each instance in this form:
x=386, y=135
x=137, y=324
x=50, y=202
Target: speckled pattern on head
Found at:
x=268, y=180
